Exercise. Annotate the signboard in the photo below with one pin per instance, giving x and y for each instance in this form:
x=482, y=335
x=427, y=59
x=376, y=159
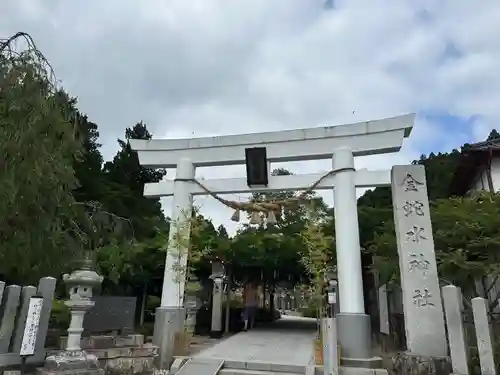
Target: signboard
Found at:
x=332, y=298
x=28, y=344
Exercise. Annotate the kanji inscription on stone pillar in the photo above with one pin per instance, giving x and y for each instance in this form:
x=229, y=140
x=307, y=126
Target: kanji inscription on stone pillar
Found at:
x=423, y=310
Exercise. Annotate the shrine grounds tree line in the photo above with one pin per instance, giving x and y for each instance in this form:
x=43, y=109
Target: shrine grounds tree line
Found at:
x=59, y=198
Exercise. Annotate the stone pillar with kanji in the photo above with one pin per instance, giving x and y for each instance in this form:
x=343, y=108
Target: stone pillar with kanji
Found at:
x=422, y=305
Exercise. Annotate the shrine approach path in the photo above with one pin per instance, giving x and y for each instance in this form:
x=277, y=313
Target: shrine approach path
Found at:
x=289, y=340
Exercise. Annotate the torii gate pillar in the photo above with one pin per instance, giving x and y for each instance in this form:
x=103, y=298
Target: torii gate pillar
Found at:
x=353, y=325
x=169, y=317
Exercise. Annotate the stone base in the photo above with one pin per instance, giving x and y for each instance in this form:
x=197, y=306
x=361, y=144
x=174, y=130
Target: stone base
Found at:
x=106, y=341
x=168, y=322
x=127, y=360
x=413, y=364
x=125, y=354
x=354, y=336
x=368, y=363
x=71, y=363
x=318, y=370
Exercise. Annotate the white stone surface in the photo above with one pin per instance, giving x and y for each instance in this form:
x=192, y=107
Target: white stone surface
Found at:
x=348, y=249
x=452, y=299
x=287, y=341
x=364, y=138
x=483, y=335
x=363, y=179
x=174, y=278
x=422, y=305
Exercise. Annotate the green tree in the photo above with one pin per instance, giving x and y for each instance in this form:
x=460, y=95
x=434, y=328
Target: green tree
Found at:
x=466, y=240
x=38, y=145
x=375, y=206
x=125, y=187
x=493, y=135
x=88, y=168
x=317, y=258
x=274, y=251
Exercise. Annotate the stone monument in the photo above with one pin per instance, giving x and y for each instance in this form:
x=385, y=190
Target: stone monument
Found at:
x=427, y=349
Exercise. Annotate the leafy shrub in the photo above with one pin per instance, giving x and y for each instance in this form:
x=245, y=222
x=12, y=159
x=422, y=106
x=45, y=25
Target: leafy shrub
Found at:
x=309, y=311
x=59, y=317
x=311, y=308
x=146, y=329
x=152, y=303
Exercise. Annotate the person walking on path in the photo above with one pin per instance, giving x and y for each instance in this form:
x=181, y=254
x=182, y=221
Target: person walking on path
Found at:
x=250, y=305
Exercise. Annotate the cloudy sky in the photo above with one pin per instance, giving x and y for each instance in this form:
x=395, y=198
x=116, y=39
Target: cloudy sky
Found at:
x=214, y=67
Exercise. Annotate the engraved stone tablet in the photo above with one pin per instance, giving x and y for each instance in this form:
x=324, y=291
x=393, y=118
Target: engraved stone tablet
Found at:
x=111, y=313
x=423, y=310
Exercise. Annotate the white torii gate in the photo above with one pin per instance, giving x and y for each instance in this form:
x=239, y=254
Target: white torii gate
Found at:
x=341, y=143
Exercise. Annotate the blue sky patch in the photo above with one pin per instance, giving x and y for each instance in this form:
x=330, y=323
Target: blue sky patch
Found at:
x=450, y=131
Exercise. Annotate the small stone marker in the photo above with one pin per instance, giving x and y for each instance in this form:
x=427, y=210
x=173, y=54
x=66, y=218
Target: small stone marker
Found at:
x=452, y=298
x=423, y=310
x=383, y=306
x=217, y=294
x=8, y=319
x=483, y=335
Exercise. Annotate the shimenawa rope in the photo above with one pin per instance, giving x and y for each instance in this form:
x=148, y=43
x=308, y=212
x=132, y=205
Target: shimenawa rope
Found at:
x=275, y=205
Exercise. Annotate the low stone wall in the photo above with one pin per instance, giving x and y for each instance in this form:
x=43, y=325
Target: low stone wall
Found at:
x=120, y=355
x=410, y=364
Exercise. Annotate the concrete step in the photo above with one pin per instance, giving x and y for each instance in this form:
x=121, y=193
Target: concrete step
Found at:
x=264, y=367
x=218, y=366
x=201, y=366
x=235, y=371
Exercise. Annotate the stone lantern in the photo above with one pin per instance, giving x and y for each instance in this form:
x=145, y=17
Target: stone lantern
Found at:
x=218, y=278
x=81, y=283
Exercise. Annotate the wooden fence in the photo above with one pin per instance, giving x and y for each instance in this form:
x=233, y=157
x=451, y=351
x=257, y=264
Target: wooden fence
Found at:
x=14, y=301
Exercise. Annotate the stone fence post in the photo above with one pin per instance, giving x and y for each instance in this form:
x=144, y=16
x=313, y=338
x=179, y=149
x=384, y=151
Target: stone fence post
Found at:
x=453, y=307
x=483, y=335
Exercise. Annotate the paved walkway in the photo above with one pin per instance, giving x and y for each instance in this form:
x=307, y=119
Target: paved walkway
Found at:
x=286, y=341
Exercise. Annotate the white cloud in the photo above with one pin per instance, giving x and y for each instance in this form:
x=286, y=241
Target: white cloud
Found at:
x=210, y=67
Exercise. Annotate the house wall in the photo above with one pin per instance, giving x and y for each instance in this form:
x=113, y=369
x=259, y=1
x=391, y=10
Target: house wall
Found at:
x=488, y=285
x=495, y=173
x=481, y=181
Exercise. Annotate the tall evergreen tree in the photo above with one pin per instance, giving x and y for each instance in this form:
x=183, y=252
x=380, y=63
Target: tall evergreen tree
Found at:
x=493, y=135
x=126, y=179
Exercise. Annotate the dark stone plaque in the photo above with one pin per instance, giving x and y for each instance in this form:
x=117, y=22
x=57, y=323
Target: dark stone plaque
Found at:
x=111, y=313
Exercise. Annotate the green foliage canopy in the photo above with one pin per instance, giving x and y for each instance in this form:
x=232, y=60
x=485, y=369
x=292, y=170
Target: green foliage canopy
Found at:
x=38, y=146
